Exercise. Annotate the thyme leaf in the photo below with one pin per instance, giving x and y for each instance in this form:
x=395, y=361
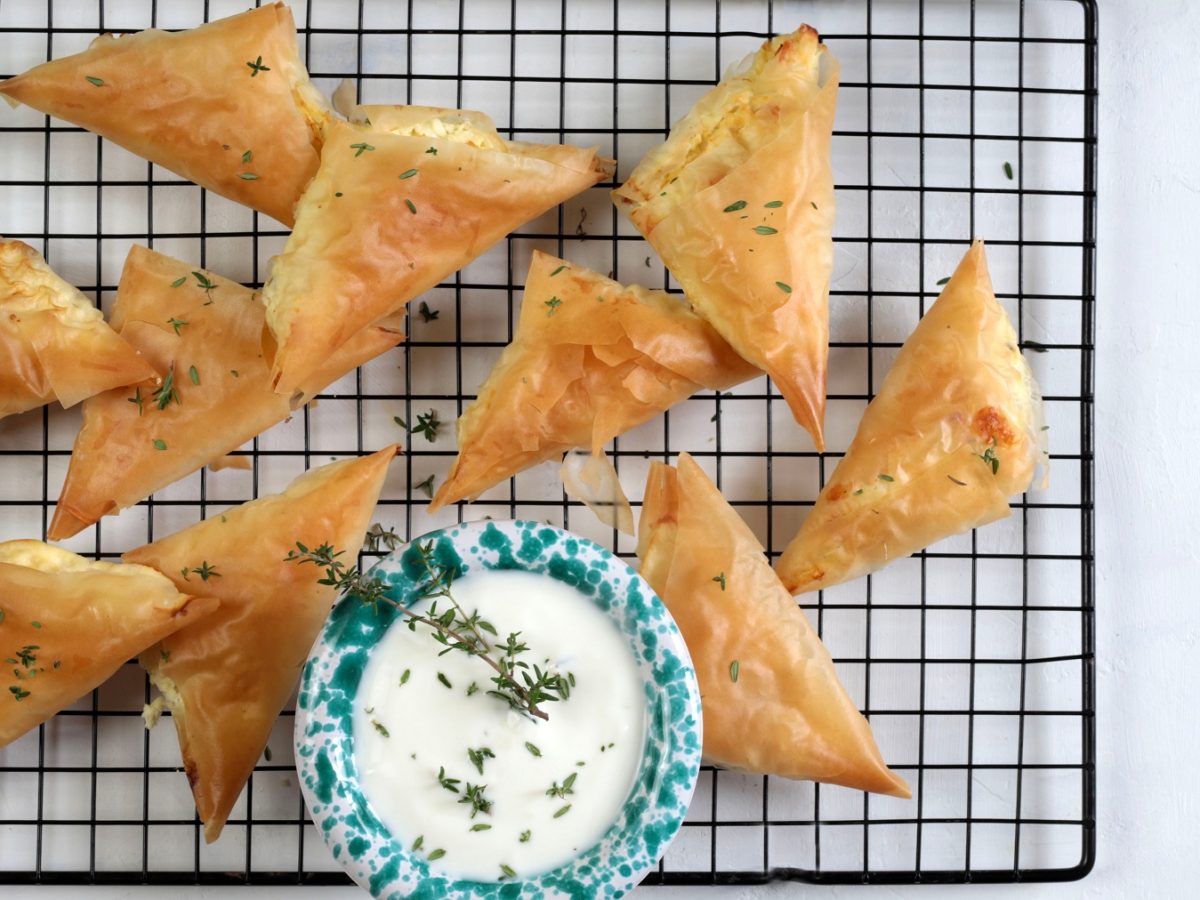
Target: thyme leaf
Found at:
x=450, y=784
x=379, y=538
x=426, y=487
x=428, y=425
x=167, y=391
x=473, y=794
x=478, y=756
x=563, y=790
x=989, y=456
x=204, y=570
x=203, y=281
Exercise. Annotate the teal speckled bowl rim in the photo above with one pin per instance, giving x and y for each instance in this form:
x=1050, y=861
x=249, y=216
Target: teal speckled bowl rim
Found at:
x=670, y=765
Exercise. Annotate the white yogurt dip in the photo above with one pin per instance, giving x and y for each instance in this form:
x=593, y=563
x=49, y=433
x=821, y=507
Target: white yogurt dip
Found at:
x=554, y=787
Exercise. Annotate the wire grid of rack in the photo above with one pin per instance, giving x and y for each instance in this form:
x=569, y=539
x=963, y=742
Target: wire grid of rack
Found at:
x=974, y=660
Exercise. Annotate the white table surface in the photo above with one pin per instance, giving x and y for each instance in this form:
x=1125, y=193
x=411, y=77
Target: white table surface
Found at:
x=1146, y=434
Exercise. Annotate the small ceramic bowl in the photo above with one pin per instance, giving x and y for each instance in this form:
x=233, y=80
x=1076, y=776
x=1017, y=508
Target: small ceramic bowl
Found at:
x=670, y=760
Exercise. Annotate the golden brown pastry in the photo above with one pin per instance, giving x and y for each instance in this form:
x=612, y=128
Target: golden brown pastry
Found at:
x=396, y=206
x=68, y=623
x=955, y=430
x=591, y=359
x=204, y=334
x=54, y=344
x=227, y=105
x=771, y=698
x=739, y=204
x=226, y=678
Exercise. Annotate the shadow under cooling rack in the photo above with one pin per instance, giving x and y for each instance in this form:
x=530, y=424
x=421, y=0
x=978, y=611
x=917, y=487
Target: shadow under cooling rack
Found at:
x=974, y=660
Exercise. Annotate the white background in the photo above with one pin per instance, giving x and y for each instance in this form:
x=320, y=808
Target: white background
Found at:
x=1147, y=432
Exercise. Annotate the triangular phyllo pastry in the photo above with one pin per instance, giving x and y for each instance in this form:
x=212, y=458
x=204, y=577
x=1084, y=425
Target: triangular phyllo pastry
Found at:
x=396, y=206
x=955, y=430
x=226, y=680
x=771, y=697
x=739, y=204
x=54, y=344
x=69, y=623
x=591, y=359
x=204, y=335
x=227, y=105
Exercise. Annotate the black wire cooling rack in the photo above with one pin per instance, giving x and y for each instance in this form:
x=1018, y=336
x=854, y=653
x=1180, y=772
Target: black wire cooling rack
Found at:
x=974, y=660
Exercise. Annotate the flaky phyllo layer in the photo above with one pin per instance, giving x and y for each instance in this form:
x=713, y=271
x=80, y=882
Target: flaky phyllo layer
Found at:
x=54, y=343
x=739, y=204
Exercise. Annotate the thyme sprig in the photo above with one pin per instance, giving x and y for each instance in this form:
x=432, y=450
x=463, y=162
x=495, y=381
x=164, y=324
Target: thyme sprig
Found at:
x=379, y=539
x=428, y=424
x=478, y=756
x=205, y=284
x=474, y=795
x=166, y=391
x=561, y=791
x=204, y=570
x=524, y=687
